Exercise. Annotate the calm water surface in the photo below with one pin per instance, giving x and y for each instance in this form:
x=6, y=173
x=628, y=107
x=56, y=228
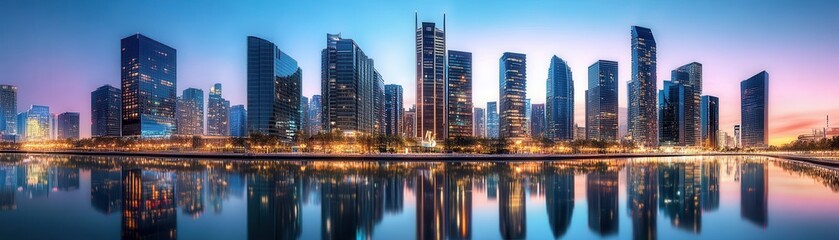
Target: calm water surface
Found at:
x=80, y=197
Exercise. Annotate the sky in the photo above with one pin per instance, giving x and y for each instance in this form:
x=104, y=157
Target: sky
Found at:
x=57, y=52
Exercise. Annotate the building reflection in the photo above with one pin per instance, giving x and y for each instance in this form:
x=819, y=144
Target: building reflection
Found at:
x=148, y=206
x=370, y=191
x=559, y=198
x=64, y=178
x=754, y=190
x=458, y=203
x=642, y=198
x=511, y=204
x=33, y=180
x=222, y=184
x=8, y=186
x=394, y=194
x=680, y=189
x=106, y=190
x=602, y=198
x=190, y=191
x=430, y=200
x=274, y=203
x=710, y=186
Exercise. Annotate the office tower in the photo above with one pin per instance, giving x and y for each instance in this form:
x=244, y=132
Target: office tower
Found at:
x=410, y=122
x=304, y=116
x=274, y=91
x=527, y=109
x=459, y=109
x=238, y=121
x=36, y=122
x=431, y=78
x=53, y=126
x=602, y=101
x=559, y=102
x=754, y=111
x=671, y=118
x=579, y=132
x=217, y=110
x=737, y=136
x=642, y=89
x=314, y=115
x=189, y=117
x=393, y=110
x=710, y=121
x=512, y=95
x=492, y=120
x=68, y=126
x=378, y=103
x=690, y=76
x=21, y=125
x=8, y=110
x=149, y=83
x=537, y=120
x=348, y=79
x=105, y=112
x=479, y=123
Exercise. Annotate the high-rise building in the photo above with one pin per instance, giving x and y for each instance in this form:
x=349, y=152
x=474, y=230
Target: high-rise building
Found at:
x=348, y=87
x=559, y=102
x=149, y=83
x=479, y=123
x=737, y=136
x=642, y=89
x=579, y=132
x=190, y=112
x=37, y=123
x=527, y=117
x=21, y=125
x=8, y=110
x=512, y=95
x=314, y=115
x=238, y=121
x=710, y=121
x=393, y=110
x=431, y=79
x=537, y=120
x=671, y=117
x=304, y=116
x=274, y=91
x=459, y=93
x=492, y=120
x=217, y=110
x=68, y=125
x=410, y=122
x=690, y=76
x=105, y=112
x=754, y=111
x=602, y=101
x=378, y=103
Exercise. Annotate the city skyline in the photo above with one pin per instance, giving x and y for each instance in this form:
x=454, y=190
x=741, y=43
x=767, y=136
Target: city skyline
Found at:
x=201, y=63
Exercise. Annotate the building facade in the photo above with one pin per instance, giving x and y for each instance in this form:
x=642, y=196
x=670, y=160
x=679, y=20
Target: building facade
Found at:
x=218, y=109
x=537, y=120
x=68, y=125
x=512, y=95
x=459, y=94
x=304, y=116
x=190, y=112
x=690, y=76
x=314, y=115
x=105, y=112
x=431, y=79
x=671, y=116
x=8, y=110
x=410, y=122
x=492, y=120
x=393, y=110
x=642, y=116
x=149, y=83
x=274, y=91
x=238, y=121
x=559, y=102
x=348, y=87
x=754, y=111
x=710, y=121
x=602, y=101
x=37, y=123
x=479, y=122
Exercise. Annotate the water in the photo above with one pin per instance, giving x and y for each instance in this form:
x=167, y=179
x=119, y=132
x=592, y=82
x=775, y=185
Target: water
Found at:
x=81, y=197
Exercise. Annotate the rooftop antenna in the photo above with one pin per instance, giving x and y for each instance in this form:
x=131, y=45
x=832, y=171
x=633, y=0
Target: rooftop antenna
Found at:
x=416, y=19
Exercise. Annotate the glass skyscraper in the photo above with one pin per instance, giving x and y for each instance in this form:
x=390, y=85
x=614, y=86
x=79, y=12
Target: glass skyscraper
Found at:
x=492, y=120
x=149, y=83
x=238, y=121
x=671, y=117
x=393, y=110
x=690, y=76
x=559, y=102
x=304, y=115
x=602, y=101
x=314, y=115
x=754, y=111
x=479, y=123
x=68, y=125
x=431, y=79
x=512, y=95
x=537, y=120
x=378, y=103
x=459, y=94
x=217, y=110
x=642, y=122
x=274, y=91
x=37, y=123
x=710, y=121
x=348, y=87
x=8, y=110
x=190, y=112
x=105, y=112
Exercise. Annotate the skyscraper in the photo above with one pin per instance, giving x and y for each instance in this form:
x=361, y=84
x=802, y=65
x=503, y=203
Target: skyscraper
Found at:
x=68, y=125
x=348, y=83
x=559, y=102
x=149, y=83
x=642, y=124
x=690, y=76
x=479, y=123
x=304, y=115
x=274, y=91
x=238, y=121
x=8, y=110
x=537, y=120
x=105, y=112
x=754, y=111
x=459, y=94
x=602, y=101
x=410, y=122
x=217, y=110
x=737, y=136
x=671, y=117
x=393, y=110
x=314, y=115
x=378, y=103
x=512, y=95
x=431, y=78
x=710, y=121
x=37, y=123
x=492, y=120
x=527, y=116
x=21, y=126
x=190, y=112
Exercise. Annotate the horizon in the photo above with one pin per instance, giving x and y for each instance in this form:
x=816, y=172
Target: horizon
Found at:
x=211, y=38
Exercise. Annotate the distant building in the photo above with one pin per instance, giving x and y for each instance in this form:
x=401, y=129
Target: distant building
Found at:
x=21, y=126
x=393, y=110
x=348, y=84
x=671, y=116
x=579, y=132
x=304, y=116
x=431, y=79
x=459, y=93
x=737, y=136
x=602, y=101
x=479, y=123
x=314, y=115
x=754, y=111
x=106, y=112
x=492, y=120
x=37, y=122
x=8, y=110
x=537, y=120
x=690, y=76
x=378, y=103
x=559, y=102
x=190, y=112
x=68, y=125
x=642, y=122
x=512, y=95
x=527, y=116
x=410, y=122
x=710, y=121
x=238, y=121
x=274, y=91
x=217, y=110
x=149, y=83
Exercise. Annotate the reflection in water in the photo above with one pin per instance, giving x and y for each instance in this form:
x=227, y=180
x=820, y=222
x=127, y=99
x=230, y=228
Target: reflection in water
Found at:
x=148, y=206
x=273, y=205
x=680, y=189
x=458, y=204
x=710, y=185
x=8, y=176
x=430, y=204
x=559, y=198
x=190, y=191
x=511, y=205
x=642, y=198
x=602, y=197
x=753, y=193
x=106, y=190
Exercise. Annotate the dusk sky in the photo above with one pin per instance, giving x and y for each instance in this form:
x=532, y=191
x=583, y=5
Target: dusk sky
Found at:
x=57, y=52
